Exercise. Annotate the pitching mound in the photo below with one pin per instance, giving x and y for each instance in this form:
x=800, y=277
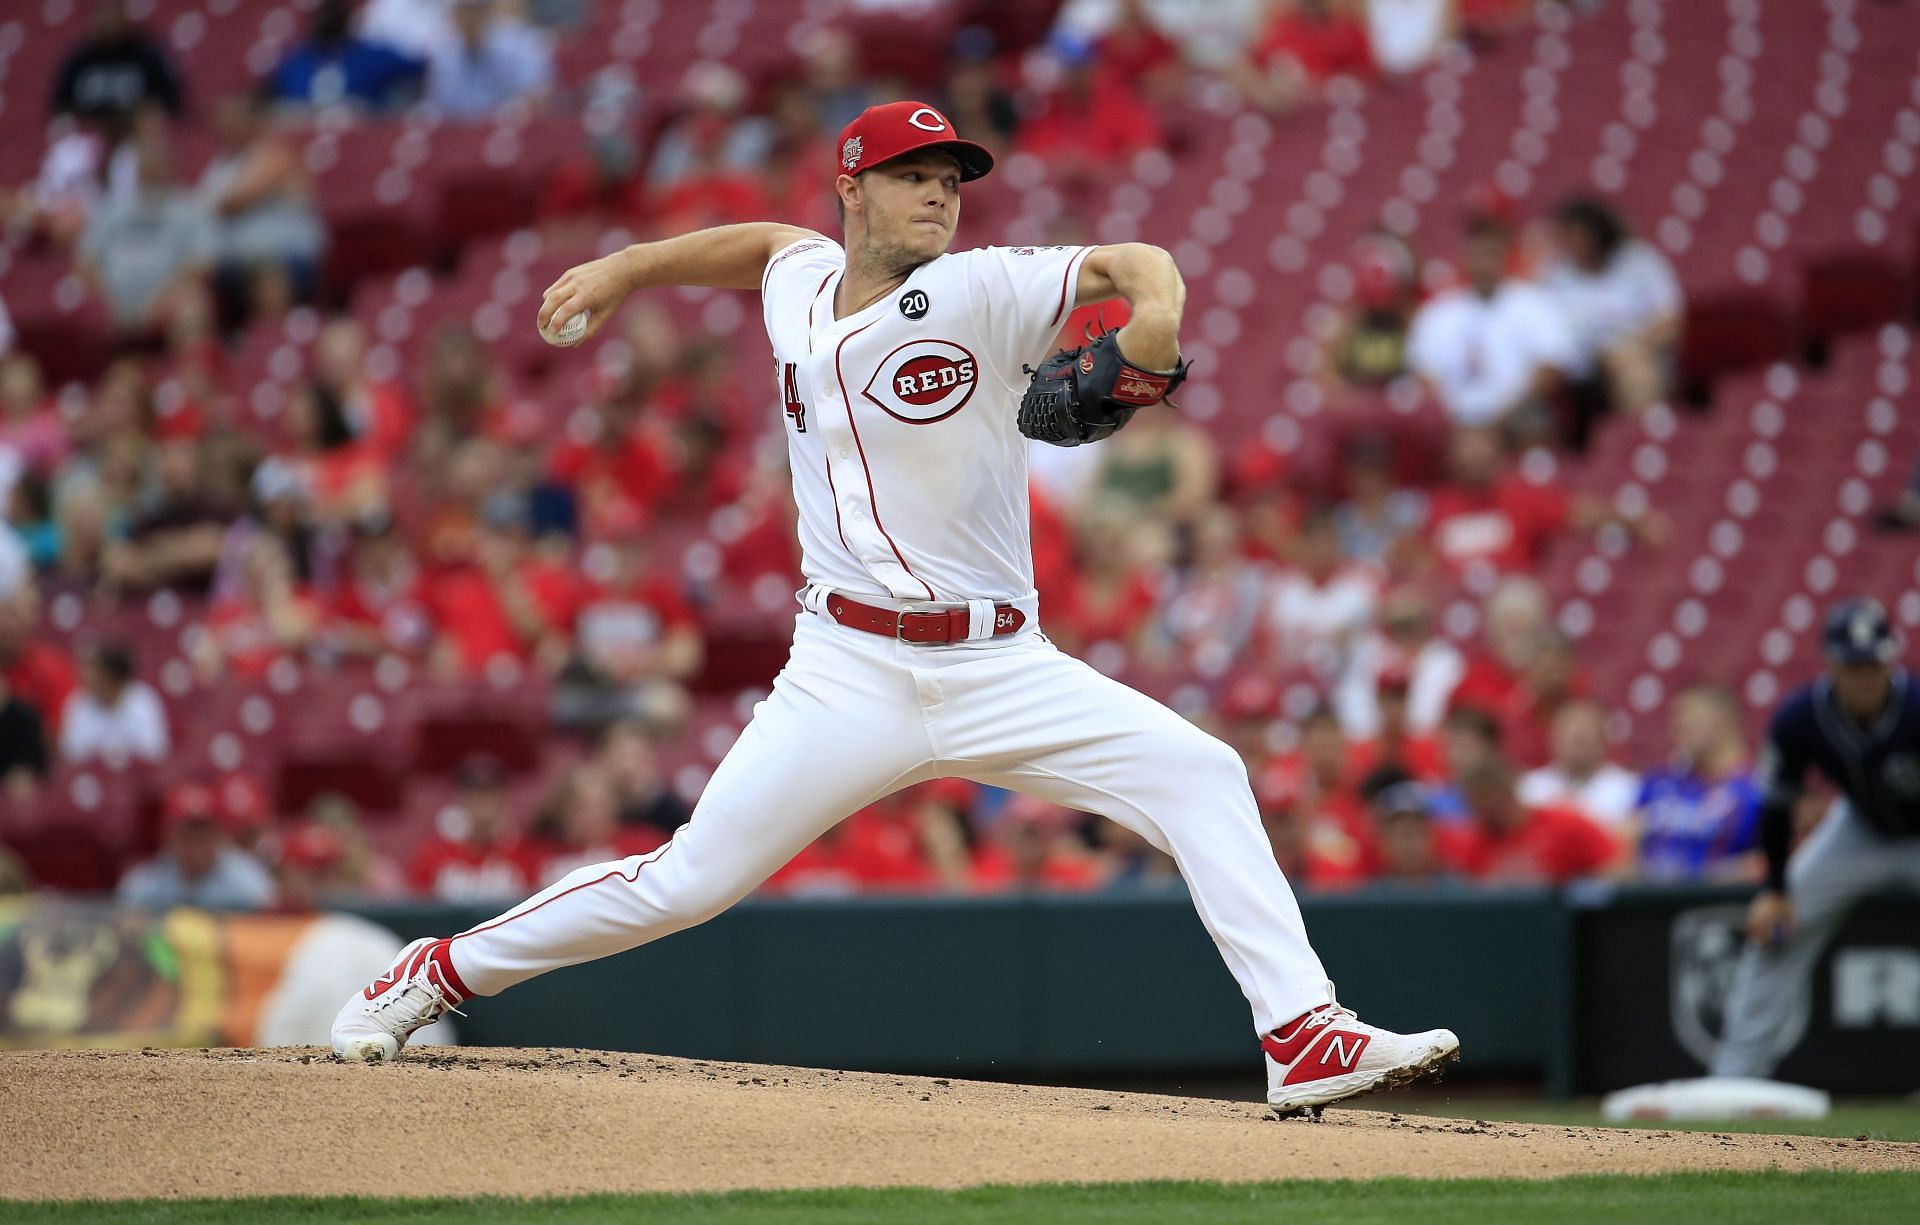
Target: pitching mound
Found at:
x=529, y=1122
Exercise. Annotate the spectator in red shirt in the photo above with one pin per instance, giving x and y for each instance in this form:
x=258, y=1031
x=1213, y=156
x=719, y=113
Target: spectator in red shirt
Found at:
x=269, y=619
x=378, y=603
x=1315, y=851
x=491, y=599
x=1552, y=678
x=1396, y=744
x=1308, y=43
x=1134, y=50
x=341, y=477
x=1107, y=602
x=1091, y=120
x=1507, y=842
x=1490, y=516
x=472, y=854
x=36, y=672
x=1516, y=622
x=581, y=827
x=637, y=642
x=1032, y=849
x=618, y=462
x=1325, y=792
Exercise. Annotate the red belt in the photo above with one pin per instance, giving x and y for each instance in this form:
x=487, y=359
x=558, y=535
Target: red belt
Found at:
x=947, y=625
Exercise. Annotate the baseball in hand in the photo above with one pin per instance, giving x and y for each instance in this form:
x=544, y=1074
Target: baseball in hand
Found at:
x=568, y=332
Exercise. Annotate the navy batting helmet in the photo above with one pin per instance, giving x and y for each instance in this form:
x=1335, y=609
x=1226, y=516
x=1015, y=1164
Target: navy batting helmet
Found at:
x=1858, y=632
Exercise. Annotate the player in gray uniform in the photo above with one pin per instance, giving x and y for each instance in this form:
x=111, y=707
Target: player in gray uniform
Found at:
x=1859, y=725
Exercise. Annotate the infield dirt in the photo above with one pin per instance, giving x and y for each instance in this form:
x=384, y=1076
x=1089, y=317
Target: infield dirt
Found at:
x=452, y=1121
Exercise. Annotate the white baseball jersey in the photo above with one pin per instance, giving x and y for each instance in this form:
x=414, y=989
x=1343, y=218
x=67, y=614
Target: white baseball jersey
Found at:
x=909, y=467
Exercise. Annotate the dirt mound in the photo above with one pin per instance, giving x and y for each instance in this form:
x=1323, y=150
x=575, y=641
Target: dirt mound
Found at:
x=120, y=1124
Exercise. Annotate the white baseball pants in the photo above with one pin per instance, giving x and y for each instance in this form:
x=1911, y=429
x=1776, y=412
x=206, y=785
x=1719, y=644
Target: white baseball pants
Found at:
x=853, y=717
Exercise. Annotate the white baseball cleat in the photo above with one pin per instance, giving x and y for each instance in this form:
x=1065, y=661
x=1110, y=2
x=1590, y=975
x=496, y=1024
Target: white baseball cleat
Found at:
x=1329, y=1055
x=418, y=989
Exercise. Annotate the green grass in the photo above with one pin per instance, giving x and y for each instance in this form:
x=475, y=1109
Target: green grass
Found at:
x=1679, y=1199
x=1876, y=1119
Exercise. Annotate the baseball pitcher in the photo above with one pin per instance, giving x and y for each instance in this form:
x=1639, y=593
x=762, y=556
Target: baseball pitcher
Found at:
x=907, y=376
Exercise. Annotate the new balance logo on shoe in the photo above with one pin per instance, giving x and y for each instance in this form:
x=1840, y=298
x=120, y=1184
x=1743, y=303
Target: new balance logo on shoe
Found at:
x=1347, y=1046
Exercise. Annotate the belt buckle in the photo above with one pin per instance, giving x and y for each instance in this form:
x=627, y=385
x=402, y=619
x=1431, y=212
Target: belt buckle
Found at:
x=900, y=625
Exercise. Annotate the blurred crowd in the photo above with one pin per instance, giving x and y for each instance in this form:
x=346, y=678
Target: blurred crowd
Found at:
x=421, y=514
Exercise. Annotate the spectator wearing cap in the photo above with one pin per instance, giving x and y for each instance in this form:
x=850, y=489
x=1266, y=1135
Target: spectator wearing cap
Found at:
x=115, y=71
x=1378, y=522
x=1698, y=817
x=473, y=853
x=493, y=60
x=113, y=716
x=1494, y=349
x=1410, y=843
x=632, y=764
x=1506, y=841
x=1622, y=300
x=1579, y=776
x=198, y=865
x=1368, y=347
x=1469, y=738
x=149, y=253
x=1317, y=852
x=1489, y=518
x=310, y=869
x=1320, y=604
x=246, y=811
x=334, y=67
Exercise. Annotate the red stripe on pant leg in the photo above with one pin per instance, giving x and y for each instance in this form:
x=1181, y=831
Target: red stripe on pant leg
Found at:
x=600, y=880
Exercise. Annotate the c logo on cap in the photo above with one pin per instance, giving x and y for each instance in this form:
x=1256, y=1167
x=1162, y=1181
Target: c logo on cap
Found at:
x=932, y=123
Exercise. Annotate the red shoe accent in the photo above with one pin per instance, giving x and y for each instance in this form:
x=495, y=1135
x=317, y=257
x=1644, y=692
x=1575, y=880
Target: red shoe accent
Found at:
x=1286, y=1043
x=435, y=959
x=1335, y=1054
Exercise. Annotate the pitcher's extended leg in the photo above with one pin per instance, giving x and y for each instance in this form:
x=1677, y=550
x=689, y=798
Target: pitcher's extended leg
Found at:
x=1041, y=722
x=841, y=729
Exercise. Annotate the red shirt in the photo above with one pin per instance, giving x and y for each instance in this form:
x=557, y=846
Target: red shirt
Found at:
x=633, y=468
x=1115, y=618
x=616, y=621
x=1421, y=756
x=42, y=676
x=1555, y=845
x=1323, y=48
x=462, y=871
x=1508, y=524
x=463, y=603
x=993, y=872
x=247, y=644
x=1106, y=122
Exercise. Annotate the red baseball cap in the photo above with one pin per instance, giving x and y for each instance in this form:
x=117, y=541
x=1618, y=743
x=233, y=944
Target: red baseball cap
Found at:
x=881, y=133
x=189, y=802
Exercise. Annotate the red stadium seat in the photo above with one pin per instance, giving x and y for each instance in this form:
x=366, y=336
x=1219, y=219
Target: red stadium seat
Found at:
x=1848, y=291
x=1736, y=330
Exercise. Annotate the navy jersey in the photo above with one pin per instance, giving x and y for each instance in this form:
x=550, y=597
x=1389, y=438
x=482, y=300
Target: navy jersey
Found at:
x=1877, y=767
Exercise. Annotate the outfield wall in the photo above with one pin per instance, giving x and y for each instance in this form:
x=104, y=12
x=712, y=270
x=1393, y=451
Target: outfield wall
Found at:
x=1584, y=991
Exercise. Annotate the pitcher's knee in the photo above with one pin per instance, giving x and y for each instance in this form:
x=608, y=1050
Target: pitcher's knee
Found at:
x=1203, y=758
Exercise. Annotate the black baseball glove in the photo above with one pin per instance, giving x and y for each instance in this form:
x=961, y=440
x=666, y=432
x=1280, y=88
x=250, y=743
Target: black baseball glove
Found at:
x=1085, y=394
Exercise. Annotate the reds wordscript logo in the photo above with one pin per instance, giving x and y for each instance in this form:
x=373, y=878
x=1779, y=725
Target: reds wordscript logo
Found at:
x=923, y=381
